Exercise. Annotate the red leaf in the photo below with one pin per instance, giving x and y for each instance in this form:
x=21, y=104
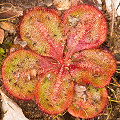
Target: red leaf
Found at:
x=54, y=92
x=86, y=28
x=88, y=103
x=42, y=29
x=21, y=72
x=93, y=66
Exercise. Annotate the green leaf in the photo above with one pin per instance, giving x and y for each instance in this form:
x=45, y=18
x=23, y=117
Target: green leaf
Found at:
x=2, y=51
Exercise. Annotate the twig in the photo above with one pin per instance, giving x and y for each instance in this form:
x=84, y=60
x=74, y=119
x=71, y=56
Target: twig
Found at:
x=114, y=84
x=60, y=114
x=113, y=18
x=112, y=91
x=116, y=81
x=8, y=10
x=114, y=101
x=110, y=111
x=117, y=62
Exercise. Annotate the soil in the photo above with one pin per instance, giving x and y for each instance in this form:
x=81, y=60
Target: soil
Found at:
x=112, y=43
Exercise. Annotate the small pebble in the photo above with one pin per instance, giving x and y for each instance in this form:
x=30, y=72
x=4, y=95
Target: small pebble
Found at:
x=18, y=41
x=62, y=4
x=1, y=36
x=8, y=27
x=48, y=2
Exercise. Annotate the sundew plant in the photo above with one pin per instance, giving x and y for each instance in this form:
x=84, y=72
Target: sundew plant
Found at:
x=64, y=67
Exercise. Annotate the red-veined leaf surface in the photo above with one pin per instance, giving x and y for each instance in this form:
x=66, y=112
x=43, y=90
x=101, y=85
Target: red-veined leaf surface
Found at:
x=93, y=66
x=85, y=27
x=21, y=72
x=43, y=31
x=54, y=97
x=88, y=103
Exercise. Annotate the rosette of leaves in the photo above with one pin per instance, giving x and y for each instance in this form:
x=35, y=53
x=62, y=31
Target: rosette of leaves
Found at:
x=63, y=68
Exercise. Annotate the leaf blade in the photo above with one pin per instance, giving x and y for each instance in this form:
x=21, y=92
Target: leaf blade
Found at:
x=86, y=28
x=93, y=66
x=11, y=110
